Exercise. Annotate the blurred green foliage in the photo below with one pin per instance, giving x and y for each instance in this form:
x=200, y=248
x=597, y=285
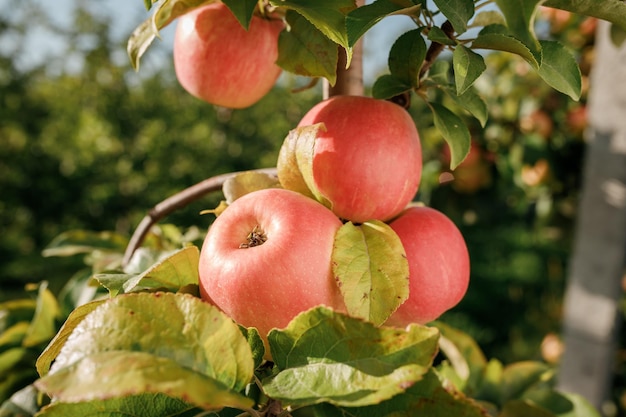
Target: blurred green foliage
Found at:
x=95, y=150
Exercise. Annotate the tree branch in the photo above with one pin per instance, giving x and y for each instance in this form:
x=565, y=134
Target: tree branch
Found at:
x=175, y=202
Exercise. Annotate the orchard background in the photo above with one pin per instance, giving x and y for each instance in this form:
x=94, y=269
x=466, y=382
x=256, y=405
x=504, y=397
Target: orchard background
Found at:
x=89, y=145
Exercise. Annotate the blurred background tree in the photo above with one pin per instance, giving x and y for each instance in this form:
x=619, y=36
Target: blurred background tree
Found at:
x=94, y=149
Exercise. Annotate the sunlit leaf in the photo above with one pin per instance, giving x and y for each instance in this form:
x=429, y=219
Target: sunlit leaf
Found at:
x=304, y=50
x=171, y=273
x=83, y=241
x=371, y=269
x=468, y=66
x=180, y=327
x=295, y=162
x=114, y=374
x=43, y=326
x=361, y=19
x=141, y=405
x=454, y=131
x=324, y=356
x=560, y=70
x=54, y=347
x=581, y=407
x=247, y=182
x=458, y=12
x=427, y=397
x=164, y=14
x=488, y=17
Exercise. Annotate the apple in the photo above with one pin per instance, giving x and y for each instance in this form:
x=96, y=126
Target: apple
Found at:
x=439, y=265
x=473, y=174
x=267, y=257
x=366, y=161
x=217, y=60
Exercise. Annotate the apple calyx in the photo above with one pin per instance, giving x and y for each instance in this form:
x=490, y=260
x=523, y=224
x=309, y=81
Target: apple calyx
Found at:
x=256, y=237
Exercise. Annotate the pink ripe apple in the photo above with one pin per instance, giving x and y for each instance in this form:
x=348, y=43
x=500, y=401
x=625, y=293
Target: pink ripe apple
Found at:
x=218, y=61
x=439, y=266
x=267, y=257
x=368, y=161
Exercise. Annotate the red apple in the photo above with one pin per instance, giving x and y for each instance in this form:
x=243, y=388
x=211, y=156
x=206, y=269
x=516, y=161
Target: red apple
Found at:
x=219, y=61
x=267, y=257
x=439, y=266
x=367, y=162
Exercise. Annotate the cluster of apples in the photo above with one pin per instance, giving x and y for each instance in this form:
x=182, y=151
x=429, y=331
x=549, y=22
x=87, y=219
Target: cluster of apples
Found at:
x=268, y=255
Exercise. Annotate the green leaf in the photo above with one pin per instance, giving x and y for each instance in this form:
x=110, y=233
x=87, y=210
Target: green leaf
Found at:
x=114, y=374
x=464, y=354
x=387, y=86
x=610, y=10
x=468, y=66
x=242, y=9
x=439, y=73
x=488, y=17
x=453, y=131
x=256, y=344
x=361, y=19
x=179, y=327
x=520, y=376
x=54, y=347
x=10, y=358
x=247, y=182
x=428, y=397
x=436, y=34
x=172, y=273
x=75, y=242
x=141, y=405
x=560, y=70
x=43, y=326
x=164, y=14
x=406, y=57
x=306, y=51
x=520, y=19
x=581, y=407
x=471, y=102
x=617, y=35
x=324, y=356
x=549, y=399
x=520, y=408
x=328, y=16
x=12, y=336
x=496, y=37
x=295, y=162
x=370, y=267
x=458, y=12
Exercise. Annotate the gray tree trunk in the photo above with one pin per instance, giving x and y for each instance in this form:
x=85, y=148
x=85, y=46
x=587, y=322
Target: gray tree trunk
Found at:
x=592, y=312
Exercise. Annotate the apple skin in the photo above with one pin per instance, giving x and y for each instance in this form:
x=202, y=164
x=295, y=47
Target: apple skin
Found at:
x=439, y=265
x=368, y=162
x=217, y=60
x=265, y=286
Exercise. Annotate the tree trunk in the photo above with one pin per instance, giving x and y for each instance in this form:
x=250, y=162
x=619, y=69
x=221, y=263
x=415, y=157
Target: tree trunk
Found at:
x=592, y=300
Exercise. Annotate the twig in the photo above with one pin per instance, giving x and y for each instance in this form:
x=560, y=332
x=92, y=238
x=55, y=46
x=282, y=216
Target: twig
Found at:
x=175, y=202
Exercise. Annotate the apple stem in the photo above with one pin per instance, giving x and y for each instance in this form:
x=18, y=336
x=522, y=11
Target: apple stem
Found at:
x=349, y=80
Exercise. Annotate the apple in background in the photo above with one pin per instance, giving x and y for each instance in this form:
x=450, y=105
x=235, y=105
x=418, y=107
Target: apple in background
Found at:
x=473, y=174
x=367, y=162
x=267, y=257
x=439, y=265
x=217, y=60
